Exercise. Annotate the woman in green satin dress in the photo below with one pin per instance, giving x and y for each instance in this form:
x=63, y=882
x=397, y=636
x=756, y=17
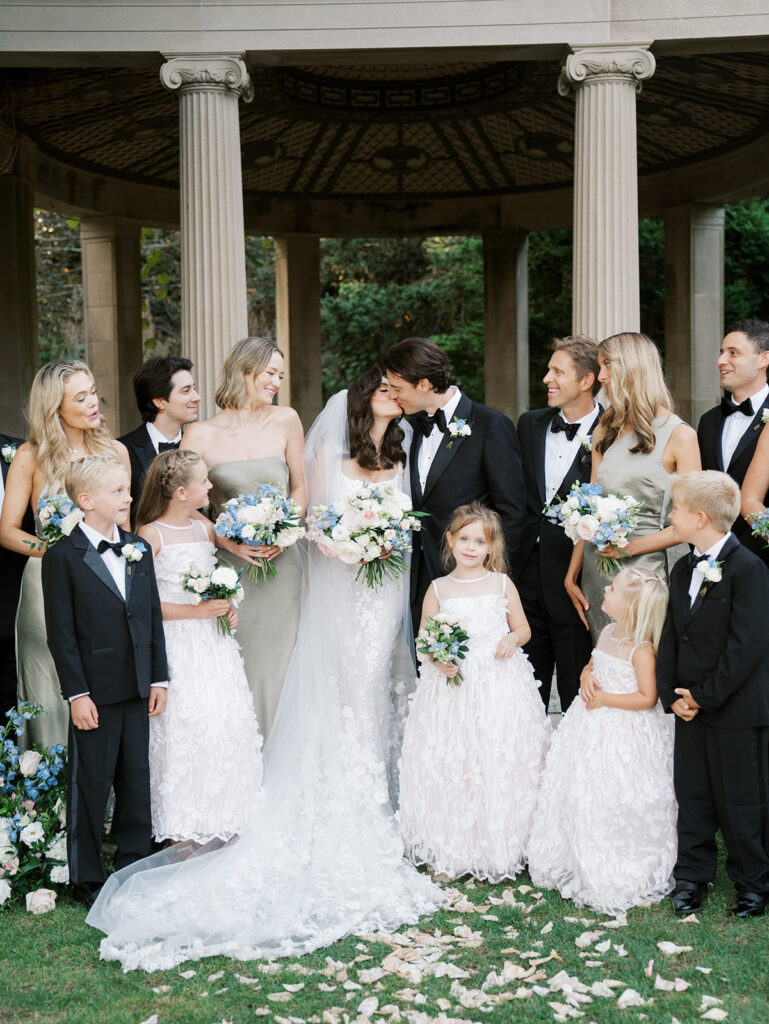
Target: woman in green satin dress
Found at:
x=638, y=445
x=252, y=442
x=64, y=425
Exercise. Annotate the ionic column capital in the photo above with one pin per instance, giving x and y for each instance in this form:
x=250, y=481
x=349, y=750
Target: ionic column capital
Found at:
x=587, y=65
x=207, y=72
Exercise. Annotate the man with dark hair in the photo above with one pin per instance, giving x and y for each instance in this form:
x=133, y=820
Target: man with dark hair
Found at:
x=461, y=452
x=167, y=400
x=555, y=452
x=728, y=434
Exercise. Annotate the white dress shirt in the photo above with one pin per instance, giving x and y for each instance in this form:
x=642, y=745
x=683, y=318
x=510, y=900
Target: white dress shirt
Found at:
x=430, y=444
x=2, y=491
x=156, y=437
x=698, y=578
x=736, y=425
x=560, y=452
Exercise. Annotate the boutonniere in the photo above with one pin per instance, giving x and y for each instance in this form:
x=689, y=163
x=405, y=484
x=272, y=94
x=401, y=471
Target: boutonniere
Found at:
x=711, y=570
x=9, y=452
x=764, y=420
x=458, y=428
x=132, y=553
x=586, y=446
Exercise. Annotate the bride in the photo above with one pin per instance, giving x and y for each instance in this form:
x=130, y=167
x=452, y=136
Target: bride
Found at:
x=324, y=858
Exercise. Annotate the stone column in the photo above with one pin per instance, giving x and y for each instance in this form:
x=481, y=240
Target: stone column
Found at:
x=694, y=305
x=297, y=314
x=214, y=307
x=18, y=299
x=605, y=79
x=506, y=321
x=112, y=314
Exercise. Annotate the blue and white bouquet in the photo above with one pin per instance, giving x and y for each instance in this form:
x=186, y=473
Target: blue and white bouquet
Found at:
x=33, y=839
x=600, y=519
x=759, y=525
x=444, y=639
x=58, y=516
x=220, y=584
x=263, y=518
x=371, y=526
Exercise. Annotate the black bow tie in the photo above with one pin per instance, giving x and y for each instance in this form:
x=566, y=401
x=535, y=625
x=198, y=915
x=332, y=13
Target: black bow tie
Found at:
x=424, y=423
x=167, y=446
x=570, y=429
x=105, y=545
x=728, y=407
x=692, y=560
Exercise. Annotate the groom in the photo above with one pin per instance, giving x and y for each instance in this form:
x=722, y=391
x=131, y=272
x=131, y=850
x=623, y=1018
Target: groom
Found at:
x=461, y=452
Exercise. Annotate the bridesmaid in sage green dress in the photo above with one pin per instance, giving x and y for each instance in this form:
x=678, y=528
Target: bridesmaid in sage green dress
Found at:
x=64, y=425
x=638, y=445
x=252, y=442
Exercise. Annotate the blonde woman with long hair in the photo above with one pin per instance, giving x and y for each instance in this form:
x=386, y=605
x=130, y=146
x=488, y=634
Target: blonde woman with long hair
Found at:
x=638, y=445
x=64, y=424
x=252, y=442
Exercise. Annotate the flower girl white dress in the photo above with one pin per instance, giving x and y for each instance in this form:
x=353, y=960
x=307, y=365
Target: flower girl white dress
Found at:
x=205, y=749
x=473, y=753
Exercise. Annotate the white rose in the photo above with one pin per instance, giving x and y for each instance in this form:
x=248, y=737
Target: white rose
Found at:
x=5, y=890
x=248, y=514
x=348, y=551
x=286, y=538
x=70, y=521
x=60, y=874
x=58, y=848
x=29, y=762
x=340, y=532
x=248, y=533
x=224, y=576
x=713, y=574
x=31, y=833
x=44, y=515
x=587, y=527
x=6, y=846
x=200, y=585
x=41, y=901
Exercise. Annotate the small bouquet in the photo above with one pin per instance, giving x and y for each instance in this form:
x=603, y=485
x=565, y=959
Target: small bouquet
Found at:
x=220, y=584
x=33, y=839
x=588, y=514
x=759, y=525
x=265, y=517
x=58, y=516
x=372, y=526
x=443, y=639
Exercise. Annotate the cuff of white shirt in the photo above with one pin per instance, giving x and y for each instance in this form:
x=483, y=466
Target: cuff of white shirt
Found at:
x=164, y=685
x=86, y=694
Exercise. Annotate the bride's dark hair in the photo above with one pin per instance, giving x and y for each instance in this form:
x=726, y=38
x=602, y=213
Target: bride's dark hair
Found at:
x=360, y=420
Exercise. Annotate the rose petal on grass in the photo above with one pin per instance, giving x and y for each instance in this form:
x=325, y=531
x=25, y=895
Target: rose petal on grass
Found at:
x=649, y=969
x=215, y=977
x=245, y=980
x=704, y=970
x=151, y=1020
x=161, y=989
x=620, y=950
x=279, y=997
x=708, y=1001
x=630, y=998
x=689, y=919
x=294, y=988
x=670, y=948
x=587, y=939
x=546, y=929
x=714, y=1014
x=663, y=985
x=187, y=974
x=603, y=947
x=262, y=1011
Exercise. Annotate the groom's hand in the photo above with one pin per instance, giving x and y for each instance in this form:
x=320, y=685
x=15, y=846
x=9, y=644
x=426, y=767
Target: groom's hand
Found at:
x=85, y=714
x=684, y=711
x=578, y=599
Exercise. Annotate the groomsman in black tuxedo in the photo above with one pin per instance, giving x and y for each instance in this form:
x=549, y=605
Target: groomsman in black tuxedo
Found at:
x=728, y=434
x=167, y=399
x=105, y=633
x=11, y=568
x=555, y=452
x=713, y=673
x=461, y=452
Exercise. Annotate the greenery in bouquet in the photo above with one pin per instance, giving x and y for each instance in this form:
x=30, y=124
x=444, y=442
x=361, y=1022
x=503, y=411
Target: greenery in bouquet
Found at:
x=57, y=516
x=265, y=518
x=33, y=841
x=603, y=520
x=759, y=525
x=442, y=638
x=220, y=584
x=371, y=527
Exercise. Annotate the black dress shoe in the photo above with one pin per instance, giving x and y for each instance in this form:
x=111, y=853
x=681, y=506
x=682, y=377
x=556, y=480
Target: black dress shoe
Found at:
x=749, y=904
x=688, y=897
x=84, y=895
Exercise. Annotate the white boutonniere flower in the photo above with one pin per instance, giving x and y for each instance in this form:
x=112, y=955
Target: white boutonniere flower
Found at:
x=586, y=445
x=9, y=452
x=764, y=421
x=711, y=570
x=132, y=553
x=458, y=428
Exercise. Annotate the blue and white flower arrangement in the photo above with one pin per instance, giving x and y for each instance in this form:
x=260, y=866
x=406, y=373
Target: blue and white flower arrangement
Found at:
x=8, y=452
x=58, y=516
x=759, y=525
x=712, y=571
x=600, y=519
x=132, y=553
x=443, y=639
x=265, y=517
x=458, y=428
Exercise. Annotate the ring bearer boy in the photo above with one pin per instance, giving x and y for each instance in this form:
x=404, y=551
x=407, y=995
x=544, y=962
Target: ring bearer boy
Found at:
x=105, y=633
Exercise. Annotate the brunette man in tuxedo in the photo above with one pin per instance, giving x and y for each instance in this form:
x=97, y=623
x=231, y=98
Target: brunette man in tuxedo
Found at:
x=461, y=452
x=713, y=674
x=555, y=452
x=105, y=632
x=728, y=434
x=167, y=399
x=11, y=569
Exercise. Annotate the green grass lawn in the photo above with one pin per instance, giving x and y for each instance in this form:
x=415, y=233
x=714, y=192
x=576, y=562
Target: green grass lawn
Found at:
x=50, y=972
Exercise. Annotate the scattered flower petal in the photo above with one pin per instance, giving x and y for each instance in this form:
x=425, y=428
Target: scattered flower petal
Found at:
x=670, y=948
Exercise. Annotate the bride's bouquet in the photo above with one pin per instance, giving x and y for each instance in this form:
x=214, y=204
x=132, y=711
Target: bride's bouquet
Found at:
x=759, y=525
x=600, y=519
x=58, y=516
x=371, y=526
x=265, y=517
x=220, y=584
x=443, y=639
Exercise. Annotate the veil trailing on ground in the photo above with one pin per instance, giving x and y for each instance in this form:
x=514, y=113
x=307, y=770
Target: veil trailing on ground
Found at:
x=324, y=856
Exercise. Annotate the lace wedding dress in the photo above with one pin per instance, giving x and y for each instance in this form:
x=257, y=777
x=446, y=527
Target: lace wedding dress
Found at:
x=605, y=830
x=324, y=857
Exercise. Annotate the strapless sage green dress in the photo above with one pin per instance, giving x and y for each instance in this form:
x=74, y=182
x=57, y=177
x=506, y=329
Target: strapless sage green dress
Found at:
x=38, y=681
x=643, y=477
x=269, y=612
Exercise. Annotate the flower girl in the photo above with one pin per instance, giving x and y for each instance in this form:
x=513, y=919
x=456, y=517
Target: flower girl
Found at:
x=604, y=833
x=473, y=752
x=205, y=754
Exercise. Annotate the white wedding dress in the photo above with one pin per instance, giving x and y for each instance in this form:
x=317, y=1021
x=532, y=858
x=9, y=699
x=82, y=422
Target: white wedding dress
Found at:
x=324, y=857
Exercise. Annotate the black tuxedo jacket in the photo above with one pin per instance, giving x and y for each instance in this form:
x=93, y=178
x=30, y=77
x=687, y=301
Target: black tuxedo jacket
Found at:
x=141, y=452
x=485, y=467
x=709, y=437
x=719, y=648
x=11, y=562
x=555, y=548
x=102, y=645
